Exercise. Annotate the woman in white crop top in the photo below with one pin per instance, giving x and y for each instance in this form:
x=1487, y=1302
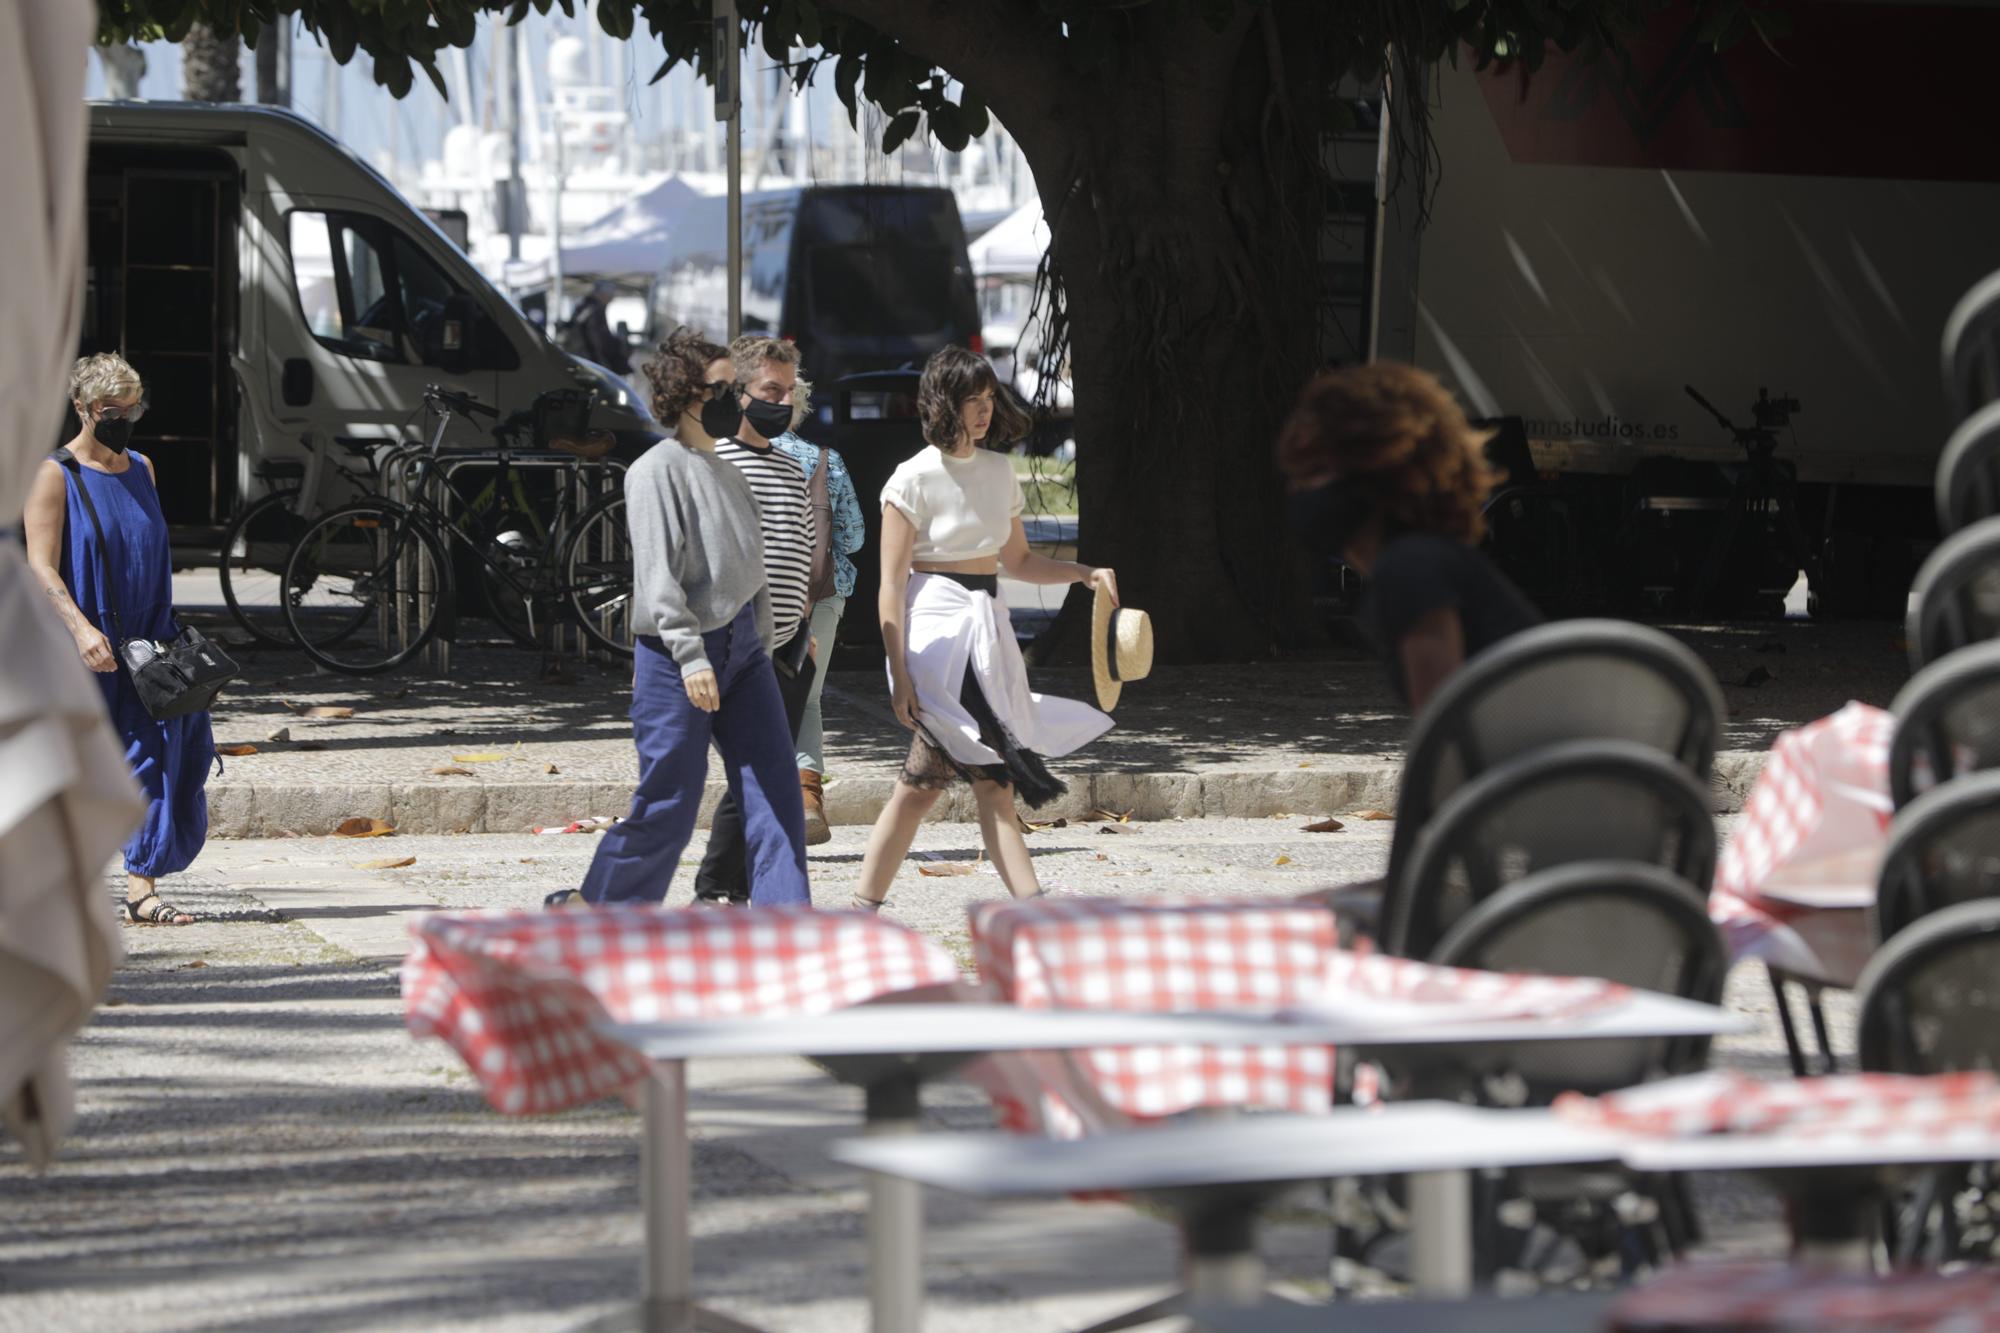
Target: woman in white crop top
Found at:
x=951, y=521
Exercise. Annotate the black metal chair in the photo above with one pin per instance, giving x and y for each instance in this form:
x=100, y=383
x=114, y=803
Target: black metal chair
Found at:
x=1592, y=800
x=1943, y=849
x=1929, y=1003
x=1972, y=349
x=1956, y=596
x=1637, y=924
x=1947, y=722
x=1575, y=680
x=1968, y=472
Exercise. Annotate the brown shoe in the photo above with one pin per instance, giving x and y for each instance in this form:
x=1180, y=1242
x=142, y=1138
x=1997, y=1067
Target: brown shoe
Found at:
x=817, y=829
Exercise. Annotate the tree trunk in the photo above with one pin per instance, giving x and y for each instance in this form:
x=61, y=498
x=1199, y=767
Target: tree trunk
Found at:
x=1189, y=263
x=211, y=66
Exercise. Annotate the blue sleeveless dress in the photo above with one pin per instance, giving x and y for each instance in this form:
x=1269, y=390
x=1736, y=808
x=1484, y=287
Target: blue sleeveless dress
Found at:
x=134, y=576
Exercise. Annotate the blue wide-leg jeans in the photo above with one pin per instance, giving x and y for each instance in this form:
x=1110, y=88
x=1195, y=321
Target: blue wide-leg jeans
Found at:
x=637, y=858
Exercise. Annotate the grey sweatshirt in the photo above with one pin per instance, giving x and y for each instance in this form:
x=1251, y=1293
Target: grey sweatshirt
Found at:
x=697, y=550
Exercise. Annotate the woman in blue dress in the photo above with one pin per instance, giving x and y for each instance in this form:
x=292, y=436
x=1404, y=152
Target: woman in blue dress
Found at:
x=129, y=578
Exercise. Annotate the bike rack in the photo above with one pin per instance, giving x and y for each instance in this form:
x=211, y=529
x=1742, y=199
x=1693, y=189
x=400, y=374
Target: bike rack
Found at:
x=584, y=483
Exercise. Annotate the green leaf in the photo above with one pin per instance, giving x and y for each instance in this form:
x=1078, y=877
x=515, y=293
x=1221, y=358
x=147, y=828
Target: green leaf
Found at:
x=431, y=70
x=777, y=42
x=341, y=32
x=809, y=28
x=615, y=17
x=901, y=126
x=948, y=128
x=972, y=113
x=847, y=73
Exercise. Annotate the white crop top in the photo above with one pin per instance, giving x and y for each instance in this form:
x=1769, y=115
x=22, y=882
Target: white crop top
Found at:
x=963, y=508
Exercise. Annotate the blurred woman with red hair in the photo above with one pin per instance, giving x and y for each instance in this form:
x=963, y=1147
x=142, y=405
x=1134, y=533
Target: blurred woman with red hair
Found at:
x=1384, y=472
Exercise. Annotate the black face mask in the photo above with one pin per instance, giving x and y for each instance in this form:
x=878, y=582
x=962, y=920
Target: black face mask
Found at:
x=721, y=416
x=769, y=420
x=1325, y=519
x=113, y=434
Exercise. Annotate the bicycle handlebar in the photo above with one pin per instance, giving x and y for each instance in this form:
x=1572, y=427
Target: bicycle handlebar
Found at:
x=462, y=403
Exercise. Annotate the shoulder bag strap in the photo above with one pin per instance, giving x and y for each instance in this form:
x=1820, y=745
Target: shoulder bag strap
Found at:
x=823, y=581
x=68, y=462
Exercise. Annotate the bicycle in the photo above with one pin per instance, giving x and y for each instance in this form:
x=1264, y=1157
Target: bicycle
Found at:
x=368, y=586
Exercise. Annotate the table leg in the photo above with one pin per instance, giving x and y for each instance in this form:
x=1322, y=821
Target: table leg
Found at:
x=895, y=1216
x=666, y=1189
x=1223, y=1266
x=1441, y=1233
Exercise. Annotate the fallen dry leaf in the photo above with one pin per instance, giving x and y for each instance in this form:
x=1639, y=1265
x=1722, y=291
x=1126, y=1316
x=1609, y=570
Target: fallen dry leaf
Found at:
x=531, y=860
x=1111, y=815
x=1102, y=857
x=363, y=827
x=945, y=868
x=1374, y=814
x=1282, y=861
x=1325, y=826
x=450, y=771
x=235, y=751
x=328, y=710
x=281, y=734
x=1305, y=765
x=483, y=757
x=196, y=963
x=550, y=768
x=386, y=863
x=1116, y=828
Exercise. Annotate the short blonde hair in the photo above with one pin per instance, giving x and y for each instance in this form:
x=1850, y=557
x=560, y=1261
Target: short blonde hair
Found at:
x=750, y=351
x=93, y=379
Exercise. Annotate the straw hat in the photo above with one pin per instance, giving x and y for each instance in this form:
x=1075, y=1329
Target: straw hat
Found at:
x=1121, y=648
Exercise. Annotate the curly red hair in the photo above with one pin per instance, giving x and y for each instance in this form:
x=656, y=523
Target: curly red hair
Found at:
x=1399, y=432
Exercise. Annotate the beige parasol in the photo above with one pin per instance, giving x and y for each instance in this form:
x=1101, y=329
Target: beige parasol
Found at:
x=66, y=799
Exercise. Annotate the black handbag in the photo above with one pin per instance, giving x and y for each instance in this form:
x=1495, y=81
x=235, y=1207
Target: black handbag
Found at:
x=179, y=676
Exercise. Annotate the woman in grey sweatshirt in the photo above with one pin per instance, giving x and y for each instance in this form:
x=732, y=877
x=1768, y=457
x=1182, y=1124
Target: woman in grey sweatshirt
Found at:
x=701, y=649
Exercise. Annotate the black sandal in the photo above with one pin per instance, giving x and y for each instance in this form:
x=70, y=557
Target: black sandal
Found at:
x=566, y=898
x=867, y=904
x=163, y=912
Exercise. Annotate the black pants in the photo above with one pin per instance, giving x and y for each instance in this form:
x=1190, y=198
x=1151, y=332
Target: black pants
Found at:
x=725, y=873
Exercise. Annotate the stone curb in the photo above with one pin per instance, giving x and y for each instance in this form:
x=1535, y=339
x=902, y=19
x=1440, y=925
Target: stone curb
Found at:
x=242, y=810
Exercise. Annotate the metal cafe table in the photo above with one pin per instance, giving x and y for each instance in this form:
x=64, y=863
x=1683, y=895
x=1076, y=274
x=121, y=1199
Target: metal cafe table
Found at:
x=889, y=1049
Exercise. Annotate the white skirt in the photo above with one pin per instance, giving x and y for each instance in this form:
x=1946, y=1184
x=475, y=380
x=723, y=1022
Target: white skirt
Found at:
x=951, y=629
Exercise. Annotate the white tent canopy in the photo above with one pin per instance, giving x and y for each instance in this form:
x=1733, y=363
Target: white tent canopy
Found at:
x=626, y=244
x=1014, y=248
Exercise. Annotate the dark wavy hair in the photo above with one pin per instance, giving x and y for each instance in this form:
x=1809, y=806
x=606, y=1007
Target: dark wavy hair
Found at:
x=1397, y=431
x=952, y=375
x=678, y=370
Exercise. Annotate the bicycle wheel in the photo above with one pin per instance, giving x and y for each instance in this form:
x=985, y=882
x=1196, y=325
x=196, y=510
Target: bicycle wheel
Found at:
x=597, y=575
x=513, y=574
x=366, y=587
x=251, y=566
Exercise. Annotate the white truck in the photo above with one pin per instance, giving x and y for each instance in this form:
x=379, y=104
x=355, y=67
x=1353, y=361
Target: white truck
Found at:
x=1609, y=233
x=276, y=292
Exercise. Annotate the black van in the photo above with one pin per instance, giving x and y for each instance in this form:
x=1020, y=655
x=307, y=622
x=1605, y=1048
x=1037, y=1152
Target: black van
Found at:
x=861, y=277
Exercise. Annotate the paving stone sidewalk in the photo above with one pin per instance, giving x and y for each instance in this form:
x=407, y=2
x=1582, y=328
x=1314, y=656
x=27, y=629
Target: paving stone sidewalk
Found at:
x=261, y=1145
x=497, y=748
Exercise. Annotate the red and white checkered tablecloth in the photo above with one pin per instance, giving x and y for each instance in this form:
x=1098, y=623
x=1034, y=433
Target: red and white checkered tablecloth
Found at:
x=1879, y=1107
x=1407, y=987
x=1823, y=791
x=1154, y=955
x=517, y=993
x=1789, y=1298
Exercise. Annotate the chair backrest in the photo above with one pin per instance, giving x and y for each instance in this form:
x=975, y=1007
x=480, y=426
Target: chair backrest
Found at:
x=1158, y=955
x=1955, y=600
x=1972, y=349
x=1968, y=472
x=1944, y=848
x=1929, y=1000
x=1947, y=722
x=1574, y=680
x=1636, y=924
x=1574, y=801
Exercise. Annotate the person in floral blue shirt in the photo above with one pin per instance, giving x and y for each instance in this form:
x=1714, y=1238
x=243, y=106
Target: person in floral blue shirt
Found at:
x=848, y=535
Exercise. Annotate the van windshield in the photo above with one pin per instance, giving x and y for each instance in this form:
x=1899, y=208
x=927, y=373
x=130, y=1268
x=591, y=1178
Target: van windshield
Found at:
x=882, y=262
x=880, y=291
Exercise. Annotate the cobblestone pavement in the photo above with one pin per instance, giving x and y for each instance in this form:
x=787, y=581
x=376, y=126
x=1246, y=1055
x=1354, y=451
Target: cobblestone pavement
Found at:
x=261, y=1144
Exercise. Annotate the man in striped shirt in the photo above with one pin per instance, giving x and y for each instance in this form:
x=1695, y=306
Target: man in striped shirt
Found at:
x=767, y=371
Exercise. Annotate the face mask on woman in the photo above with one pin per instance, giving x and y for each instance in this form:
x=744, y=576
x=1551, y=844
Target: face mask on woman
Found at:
x=721, y=416
x=1325, y=519
x=114, y=434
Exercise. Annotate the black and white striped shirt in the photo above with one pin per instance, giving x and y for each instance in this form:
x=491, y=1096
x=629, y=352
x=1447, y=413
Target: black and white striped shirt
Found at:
x=785, y=506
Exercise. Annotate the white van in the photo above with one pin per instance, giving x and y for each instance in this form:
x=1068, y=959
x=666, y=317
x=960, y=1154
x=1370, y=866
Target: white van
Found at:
x=273, y=289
